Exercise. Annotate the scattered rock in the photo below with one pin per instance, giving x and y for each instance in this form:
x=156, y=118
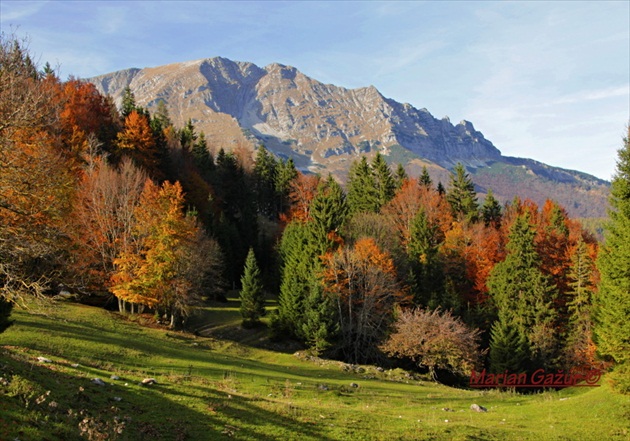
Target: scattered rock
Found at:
x=98, y=382
x=380, y=369
x=322, y=387
x=478, y=408
x=75, y=365
x=355, y=385
x=117, y=399
x=44, y=360
x=115, y=377
x=149, y=381
x=447, y=409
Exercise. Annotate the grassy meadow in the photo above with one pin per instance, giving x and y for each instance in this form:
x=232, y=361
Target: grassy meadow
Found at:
x=231, y=383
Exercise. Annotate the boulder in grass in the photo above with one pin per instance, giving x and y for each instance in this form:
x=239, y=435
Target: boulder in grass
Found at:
x=148, y=381
x=44, y=360
x=478, y=408
x=98, y=382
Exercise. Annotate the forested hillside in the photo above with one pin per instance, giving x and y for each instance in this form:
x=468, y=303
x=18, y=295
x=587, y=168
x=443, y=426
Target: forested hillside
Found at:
x=119, y=206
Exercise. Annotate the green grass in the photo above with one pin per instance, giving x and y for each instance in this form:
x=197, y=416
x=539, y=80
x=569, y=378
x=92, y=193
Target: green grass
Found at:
x=232, y=388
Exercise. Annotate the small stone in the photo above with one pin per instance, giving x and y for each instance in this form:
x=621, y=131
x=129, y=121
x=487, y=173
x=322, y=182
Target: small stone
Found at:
x=114, y=377
x=98, y=382
x=44, y=360
x=322, y=387
x=149, y=381
x=355, y=385
x=117, y=399
x=75, y=365
x=478, y=408
x=447, y=409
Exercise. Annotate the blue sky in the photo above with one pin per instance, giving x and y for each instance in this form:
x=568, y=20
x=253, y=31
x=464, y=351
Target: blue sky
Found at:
x=544, y=80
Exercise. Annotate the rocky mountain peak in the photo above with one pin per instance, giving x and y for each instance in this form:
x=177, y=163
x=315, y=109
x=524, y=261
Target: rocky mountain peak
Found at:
x=323, y=127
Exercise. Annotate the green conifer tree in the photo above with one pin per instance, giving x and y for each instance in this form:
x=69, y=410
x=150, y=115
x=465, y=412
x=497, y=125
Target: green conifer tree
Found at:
x=427, y=278
x=362, y=193
x=252, y=295
x=425, y=178
x=612, y=305
x=462, y=196
x=265, y=172
x=491, y=212
x=286, y=173
x=525, y=297
x=400, y=176
x=383, y=180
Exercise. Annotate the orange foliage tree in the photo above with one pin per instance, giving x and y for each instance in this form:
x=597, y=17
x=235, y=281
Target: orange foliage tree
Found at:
x=136, y=140
x=361, y=281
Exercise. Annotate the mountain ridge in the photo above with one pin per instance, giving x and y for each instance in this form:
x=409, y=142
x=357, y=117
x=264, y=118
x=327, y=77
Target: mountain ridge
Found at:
x=324, y=127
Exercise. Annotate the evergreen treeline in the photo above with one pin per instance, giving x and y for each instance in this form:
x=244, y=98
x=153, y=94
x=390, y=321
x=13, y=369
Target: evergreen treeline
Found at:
x=120, y=203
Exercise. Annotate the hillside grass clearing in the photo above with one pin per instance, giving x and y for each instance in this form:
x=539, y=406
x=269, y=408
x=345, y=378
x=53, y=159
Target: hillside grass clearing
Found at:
x=231, y=387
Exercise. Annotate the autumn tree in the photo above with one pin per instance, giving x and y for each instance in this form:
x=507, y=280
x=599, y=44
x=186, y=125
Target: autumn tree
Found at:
x=37, y=176
x=103, y=221
x=434, y=339
x=160, y=275
x=612, y=305
x=136, y=140
x=361, y=281
x=251, y=295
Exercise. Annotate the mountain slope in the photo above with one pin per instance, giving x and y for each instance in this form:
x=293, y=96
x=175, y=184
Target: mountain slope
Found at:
x=326, y=127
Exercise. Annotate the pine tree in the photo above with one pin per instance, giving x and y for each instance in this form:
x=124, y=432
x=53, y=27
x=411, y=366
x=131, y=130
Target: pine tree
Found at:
x=425, y=178
x=462, y=196
x=400, y=177
x=286, y=173
x=265, y=172
x=251, y=295
x=508, y=346
x=491, y=211
x=202, y=157
x=612, y=306
x=328, y=213
x=383, y=180
x=128, y=102
x=579, y=327
x=362, y=193
x=426, y=278
x=524, y=296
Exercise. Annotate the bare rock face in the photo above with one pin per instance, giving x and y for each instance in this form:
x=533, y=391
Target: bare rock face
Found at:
x=324, y=128
x=293, y=114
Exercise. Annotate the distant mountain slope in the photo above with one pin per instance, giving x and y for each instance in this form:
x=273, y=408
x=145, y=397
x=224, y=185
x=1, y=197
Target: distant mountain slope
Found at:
x=325, y=127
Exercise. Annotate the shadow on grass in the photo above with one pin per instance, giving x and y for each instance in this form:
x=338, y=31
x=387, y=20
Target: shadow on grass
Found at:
x=140, y=412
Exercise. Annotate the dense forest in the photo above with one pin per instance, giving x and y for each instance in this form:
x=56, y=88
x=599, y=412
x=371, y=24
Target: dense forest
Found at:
x=119, y=207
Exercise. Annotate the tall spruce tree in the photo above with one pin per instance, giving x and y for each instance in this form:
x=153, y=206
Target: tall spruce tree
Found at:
x=426, y=272
x=400, y=176
x=383, y=180
x=252, y=296
x=524, y=298
x=362, y=193
x=462, y=196
x=265, y=172
x=425, y=178
x=491, y=211
x=612, y=306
